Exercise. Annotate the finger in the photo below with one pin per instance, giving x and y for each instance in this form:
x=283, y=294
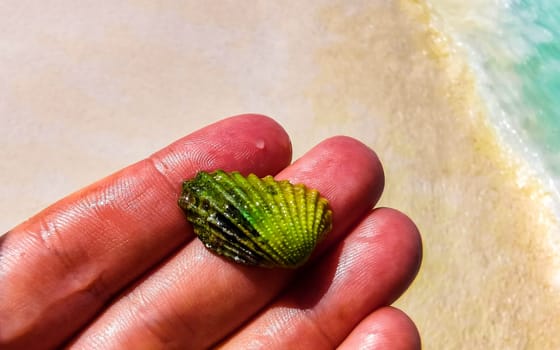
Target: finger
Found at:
x=386, y=328
x=369, y=269
x=196, y=298
x=60, y=267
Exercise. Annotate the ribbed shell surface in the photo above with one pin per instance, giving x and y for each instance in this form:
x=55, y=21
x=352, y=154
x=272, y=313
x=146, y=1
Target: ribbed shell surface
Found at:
x=255, y=221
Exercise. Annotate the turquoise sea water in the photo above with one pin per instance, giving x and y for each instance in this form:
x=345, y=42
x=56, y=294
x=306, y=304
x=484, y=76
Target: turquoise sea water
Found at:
x=513, y=47
x=539, y=69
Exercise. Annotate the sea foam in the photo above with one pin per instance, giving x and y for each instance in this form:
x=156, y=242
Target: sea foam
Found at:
x=513, y=48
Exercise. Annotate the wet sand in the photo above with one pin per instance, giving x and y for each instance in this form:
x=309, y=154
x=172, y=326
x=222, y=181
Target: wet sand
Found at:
x=487, y=280
x=87, y=101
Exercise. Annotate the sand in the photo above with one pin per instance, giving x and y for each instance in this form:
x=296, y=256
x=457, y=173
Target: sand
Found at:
x=489, y=267
x=88, y=89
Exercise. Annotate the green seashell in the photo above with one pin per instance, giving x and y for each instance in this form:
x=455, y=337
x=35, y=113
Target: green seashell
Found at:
x=254, y=221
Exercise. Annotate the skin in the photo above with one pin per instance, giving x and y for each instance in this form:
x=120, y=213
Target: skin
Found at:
x=116, y=265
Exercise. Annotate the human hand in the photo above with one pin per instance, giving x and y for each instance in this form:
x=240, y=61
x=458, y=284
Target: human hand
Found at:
x=116, y=265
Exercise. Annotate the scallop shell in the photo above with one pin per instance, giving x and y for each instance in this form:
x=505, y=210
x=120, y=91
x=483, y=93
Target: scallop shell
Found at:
x=255, y=221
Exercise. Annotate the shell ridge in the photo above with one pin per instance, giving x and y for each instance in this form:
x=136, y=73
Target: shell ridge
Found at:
x=317, y=210
x=276, y=224
x=255, y=218
x=239, y=197
x=253, y=213
x=323, y=211
x=220, y=185
x=270, y=227
x=307, y=209
x=224, y=247
x=288, y=192
x=237, y=234
x=240, y=240
x=301, y=204
x=284, y=220
x=326, y=222
x=262, y=209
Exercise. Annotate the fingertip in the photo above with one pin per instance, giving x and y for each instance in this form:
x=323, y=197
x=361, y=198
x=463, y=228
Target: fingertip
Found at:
x=262, y=141
x=360, y=164
x=402, y=243
x=335, y=166
x=246, y=143
x=265, y=126
x=386, y=328
x=355, y=151
x=402, y=228
x=346, y=154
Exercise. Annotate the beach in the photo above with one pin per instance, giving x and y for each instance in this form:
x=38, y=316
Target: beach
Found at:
x=83, y=98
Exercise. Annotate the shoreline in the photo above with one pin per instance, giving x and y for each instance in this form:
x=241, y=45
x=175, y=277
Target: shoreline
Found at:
x=487, y=233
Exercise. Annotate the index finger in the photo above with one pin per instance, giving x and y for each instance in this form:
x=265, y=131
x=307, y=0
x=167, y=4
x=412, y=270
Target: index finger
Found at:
x=60, y=267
